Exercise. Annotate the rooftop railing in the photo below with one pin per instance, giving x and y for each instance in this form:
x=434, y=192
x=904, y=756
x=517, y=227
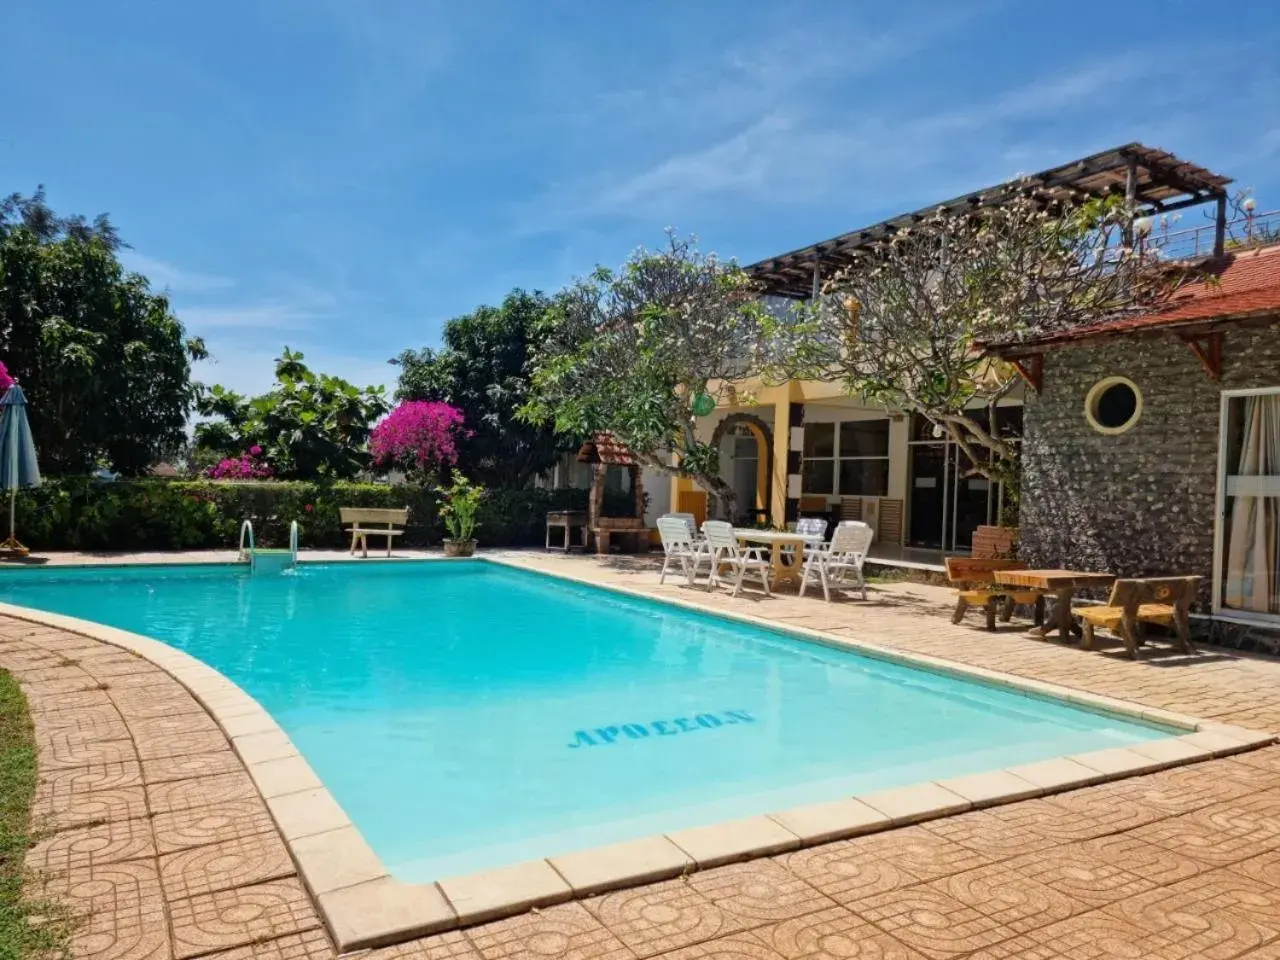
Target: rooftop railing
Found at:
x=1259, y=229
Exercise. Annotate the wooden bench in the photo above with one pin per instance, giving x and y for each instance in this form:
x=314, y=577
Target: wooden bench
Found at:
x=976, y=588
x=378, y=521
x=1161, y=600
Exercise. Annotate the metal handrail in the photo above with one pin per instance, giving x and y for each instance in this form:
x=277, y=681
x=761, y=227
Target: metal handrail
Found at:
x=1256, y=229
x=247, y=528
x=293, y=542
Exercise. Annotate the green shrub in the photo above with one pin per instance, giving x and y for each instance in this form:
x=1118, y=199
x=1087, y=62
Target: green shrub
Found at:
x=83, y=514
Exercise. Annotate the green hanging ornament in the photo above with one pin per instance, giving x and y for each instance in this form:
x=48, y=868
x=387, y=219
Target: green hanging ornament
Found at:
x=703, y=404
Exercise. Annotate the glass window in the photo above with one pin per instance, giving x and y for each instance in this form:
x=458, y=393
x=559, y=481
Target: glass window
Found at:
x=864, y=458
x=818, y=476
x=1251, y=528
x=922, y=429
x=819, y=440
x=864, y=438
x=864, y=478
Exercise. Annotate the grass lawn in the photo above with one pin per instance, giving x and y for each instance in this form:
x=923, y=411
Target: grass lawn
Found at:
x=28, y=929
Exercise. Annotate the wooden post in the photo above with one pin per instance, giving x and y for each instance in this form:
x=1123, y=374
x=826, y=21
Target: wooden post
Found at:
x=1130, y=196
x=817, y=279
x=1220, y=227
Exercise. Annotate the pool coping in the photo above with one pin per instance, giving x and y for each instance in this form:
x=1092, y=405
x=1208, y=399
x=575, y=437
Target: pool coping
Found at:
x=362, y=905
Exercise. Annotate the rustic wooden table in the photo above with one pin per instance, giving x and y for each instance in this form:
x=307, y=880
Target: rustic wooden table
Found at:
x=1063, y=584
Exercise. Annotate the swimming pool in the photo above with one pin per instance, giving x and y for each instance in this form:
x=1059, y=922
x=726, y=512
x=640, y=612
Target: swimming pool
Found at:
x=469, y=715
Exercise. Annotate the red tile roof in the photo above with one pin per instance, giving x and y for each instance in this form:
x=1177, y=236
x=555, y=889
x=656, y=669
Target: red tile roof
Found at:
x=1244, y=285
x=606, y=448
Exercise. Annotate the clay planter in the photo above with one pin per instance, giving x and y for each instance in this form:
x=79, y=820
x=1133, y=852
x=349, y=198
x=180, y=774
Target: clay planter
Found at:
x=459, y=548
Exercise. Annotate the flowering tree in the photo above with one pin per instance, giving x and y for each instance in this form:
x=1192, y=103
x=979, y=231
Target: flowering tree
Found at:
x=420, y=436
x=311, y=425
x=247, y=466
x=482, y=369
x=906, y=323
x=642, y=353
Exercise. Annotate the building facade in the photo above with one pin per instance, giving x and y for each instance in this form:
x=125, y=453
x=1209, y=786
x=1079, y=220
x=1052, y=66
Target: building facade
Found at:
x=1152, y=447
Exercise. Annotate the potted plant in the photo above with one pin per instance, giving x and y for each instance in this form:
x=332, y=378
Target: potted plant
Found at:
x=459, y=503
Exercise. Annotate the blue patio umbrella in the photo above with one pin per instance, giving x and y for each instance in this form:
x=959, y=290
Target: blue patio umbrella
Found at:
x=18, y=466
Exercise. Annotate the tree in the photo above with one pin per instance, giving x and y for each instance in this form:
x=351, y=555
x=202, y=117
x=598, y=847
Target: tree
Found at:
x=905, y=324
x=421, y=436
x=644, y=351
x=105, y=364
x=482, y=370
x=310, y=426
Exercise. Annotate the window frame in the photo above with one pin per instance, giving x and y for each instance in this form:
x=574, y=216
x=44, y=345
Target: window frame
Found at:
x=836, y=459
x=1230, y=614
x=1094, y=396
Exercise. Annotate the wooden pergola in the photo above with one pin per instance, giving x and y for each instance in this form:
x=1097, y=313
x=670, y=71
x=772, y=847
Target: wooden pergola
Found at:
x=1152, y=179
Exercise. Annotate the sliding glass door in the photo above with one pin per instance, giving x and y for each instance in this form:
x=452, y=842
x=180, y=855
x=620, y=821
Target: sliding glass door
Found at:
x=1248, y=541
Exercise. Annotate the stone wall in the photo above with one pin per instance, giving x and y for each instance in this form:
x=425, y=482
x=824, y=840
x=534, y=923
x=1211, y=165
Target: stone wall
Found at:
x=1140, y=503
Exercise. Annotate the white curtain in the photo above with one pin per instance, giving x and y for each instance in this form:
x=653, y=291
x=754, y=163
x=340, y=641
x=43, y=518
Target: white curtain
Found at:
x=1253, y=535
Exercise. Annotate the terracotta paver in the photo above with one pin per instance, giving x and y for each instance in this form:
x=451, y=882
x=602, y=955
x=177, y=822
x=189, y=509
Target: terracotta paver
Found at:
x=158, y=834
x=240, y=916
x=567, y=932
x=200, y=826
x=834, y=932
x=657, y=919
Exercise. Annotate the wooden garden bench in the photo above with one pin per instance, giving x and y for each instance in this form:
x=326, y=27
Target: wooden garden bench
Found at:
x=1161, y=600
x=386, y=522
x=976, y=588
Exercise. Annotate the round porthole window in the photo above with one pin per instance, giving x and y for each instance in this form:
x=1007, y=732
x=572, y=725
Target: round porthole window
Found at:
x=1113, y=405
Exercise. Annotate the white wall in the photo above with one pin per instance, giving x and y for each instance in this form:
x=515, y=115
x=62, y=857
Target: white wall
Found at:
x=658, y=486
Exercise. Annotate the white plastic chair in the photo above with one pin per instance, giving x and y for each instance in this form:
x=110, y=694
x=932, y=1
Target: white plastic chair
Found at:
x=813, y=529
x=679, y=545
x=844, y=555
x=692, y=522
x=726, y=551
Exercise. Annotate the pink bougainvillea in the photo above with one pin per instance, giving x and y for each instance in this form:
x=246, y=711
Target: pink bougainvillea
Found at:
x=418, y=435
x=247, y=466
x=6, y=381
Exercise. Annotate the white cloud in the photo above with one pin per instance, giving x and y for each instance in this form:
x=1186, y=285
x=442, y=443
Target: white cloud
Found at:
x=852, y=153
x=268, y=316
x=166, y=276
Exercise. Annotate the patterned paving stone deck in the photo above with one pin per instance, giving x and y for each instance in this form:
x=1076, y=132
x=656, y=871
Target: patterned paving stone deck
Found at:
x=157, y=833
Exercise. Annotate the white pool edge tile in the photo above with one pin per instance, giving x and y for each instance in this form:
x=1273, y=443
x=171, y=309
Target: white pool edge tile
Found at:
x=378, y=909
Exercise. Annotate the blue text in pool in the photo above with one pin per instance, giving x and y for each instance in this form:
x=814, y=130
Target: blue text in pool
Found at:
x=603, y=736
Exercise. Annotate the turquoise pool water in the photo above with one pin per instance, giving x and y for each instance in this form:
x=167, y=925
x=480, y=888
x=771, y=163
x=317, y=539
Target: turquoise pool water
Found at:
x=467, y=715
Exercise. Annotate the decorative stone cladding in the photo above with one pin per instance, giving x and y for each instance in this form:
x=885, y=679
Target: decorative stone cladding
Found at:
x=1140, y=503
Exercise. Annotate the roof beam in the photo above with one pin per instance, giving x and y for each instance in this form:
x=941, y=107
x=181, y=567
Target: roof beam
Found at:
x=1208, y=350
x=1031, y=368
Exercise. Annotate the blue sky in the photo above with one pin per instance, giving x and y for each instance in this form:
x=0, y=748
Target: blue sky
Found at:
x=342, y=176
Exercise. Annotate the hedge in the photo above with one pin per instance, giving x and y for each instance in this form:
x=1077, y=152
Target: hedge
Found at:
x=83, y=514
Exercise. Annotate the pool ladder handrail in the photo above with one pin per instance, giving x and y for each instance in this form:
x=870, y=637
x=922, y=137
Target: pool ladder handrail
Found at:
x=293, y=542
x=247, y=528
